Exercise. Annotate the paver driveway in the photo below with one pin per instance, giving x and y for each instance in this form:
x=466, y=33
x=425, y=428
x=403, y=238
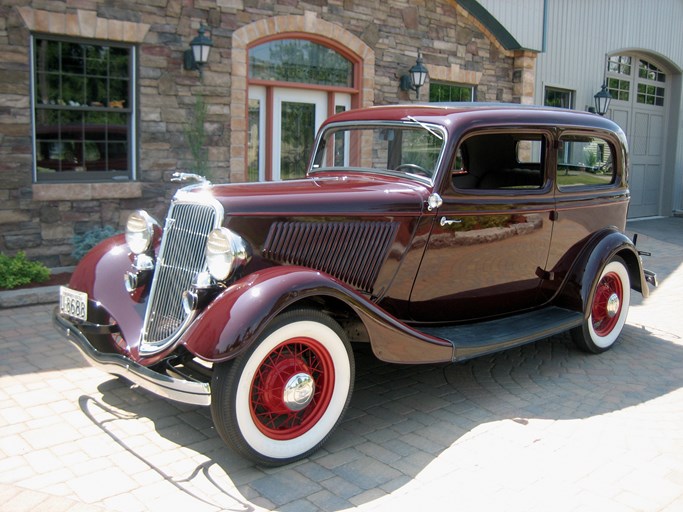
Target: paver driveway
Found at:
x=543, y=427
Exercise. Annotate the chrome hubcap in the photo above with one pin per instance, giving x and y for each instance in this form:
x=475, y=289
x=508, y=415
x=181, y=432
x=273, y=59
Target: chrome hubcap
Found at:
x=613, y=304
x=298, y=391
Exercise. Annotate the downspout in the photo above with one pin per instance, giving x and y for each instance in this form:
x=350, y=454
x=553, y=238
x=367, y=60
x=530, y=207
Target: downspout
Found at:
x=545, y=26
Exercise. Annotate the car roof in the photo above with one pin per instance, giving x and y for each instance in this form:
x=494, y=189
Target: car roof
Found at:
x=452, y=114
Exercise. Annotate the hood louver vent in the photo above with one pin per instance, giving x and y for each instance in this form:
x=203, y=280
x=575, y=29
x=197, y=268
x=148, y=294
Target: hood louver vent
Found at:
x=352, y=252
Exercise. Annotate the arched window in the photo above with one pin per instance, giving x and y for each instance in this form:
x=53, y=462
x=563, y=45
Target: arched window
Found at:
x=301, y=61
x=626, y=73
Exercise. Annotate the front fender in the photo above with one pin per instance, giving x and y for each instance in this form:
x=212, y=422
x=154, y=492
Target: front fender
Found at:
x=236, y=317
x=598, y=251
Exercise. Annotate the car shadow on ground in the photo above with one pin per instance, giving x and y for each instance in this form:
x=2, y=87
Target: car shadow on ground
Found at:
x=401, y=419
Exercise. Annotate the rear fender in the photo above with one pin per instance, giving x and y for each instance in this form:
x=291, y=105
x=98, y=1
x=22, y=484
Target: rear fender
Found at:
x=600, y=250
x=237, y=317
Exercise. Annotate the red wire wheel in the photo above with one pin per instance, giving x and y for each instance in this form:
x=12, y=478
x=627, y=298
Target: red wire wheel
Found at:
x=607, y=304
x=281, y=399
x=607, y=310
x=292, y=388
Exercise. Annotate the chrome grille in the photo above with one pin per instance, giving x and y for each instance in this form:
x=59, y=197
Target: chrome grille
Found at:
x=181, y=257
x=350, y=251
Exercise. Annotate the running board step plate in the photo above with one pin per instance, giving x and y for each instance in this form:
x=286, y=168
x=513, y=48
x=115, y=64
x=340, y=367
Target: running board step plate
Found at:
x=478, y=339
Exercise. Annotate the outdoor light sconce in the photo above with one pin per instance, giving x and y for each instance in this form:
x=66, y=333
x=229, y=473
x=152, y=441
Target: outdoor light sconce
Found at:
x=198, y=54
x=602, y=100
x=416, y=77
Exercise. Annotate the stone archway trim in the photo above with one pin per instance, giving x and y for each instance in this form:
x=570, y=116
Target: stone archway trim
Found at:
x=454, y=73
x=83, y=23
x=309, y=23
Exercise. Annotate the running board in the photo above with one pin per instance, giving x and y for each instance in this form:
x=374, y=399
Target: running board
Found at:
x=478, y=339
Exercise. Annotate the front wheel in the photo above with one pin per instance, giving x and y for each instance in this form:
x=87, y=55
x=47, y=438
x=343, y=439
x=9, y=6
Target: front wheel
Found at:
x=282, y=398
x=608, y=305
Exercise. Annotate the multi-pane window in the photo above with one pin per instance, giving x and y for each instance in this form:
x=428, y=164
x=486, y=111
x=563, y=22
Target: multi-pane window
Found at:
x=301, y=61
x=650, y=95
x=626, y=74
x=619, y=89
x=83, y=110
x=619, y=64
x=449, y=92
x=649, y=71
x=649, y=79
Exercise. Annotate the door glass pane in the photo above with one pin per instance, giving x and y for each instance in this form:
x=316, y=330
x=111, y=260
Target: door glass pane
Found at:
x=340, y=143
x=297, y=133
x=619, y=64
x=253, y=146
x=649, y=71
x=619, y=89
x=650, y=95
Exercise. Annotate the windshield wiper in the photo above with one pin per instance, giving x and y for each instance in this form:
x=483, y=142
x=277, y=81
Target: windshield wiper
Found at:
x=430, y=130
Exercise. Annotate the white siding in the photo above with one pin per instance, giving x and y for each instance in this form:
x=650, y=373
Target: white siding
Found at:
x=582, y=32
x=522, y=18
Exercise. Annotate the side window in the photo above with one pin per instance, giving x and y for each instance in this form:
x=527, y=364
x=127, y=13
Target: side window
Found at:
x=83, y=109
x=500, y=161
x=584, y=160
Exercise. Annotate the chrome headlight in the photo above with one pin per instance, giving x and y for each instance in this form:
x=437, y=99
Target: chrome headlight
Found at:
x=139, y=231
x=224, y=252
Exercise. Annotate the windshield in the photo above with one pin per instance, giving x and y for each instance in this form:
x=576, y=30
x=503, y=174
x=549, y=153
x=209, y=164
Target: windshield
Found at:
x=411, y=149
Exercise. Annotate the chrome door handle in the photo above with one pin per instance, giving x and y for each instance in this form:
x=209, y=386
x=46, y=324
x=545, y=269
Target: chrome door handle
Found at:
x=446, y=222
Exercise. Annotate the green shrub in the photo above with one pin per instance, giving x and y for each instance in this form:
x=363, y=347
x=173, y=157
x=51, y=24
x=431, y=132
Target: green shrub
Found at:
x=86, y=241
x=18, y=271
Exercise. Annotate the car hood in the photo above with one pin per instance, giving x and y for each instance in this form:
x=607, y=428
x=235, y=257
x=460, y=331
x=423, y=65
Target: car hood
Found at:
x=323, y=193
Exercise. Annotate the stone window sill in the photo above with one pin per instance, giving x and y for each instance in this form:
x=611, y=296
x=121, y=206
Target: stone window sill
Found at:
x=85, y=191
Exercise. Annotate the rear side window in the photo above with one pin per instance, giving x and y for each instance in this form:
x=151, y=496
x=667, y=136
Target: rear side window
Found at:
x=584, y=161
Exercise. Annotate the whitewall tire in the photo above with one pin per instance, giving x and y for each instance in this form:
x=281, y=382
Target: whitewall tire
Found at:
x=608, y=309
x=282, y=398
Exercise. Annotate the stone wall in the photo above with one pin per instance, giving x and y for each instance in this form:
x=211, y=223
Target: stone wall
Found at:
x=41, y=219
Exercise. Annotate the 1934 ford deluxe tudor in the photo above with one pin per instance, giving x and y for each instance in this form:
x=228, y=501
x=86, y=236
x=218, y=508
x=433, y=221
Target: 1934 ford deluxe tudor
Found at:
x=433, y=233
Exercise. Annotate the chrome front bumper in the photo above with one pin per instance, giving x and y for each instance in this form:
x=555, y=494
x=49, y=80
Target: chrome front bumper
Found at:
x=189, y=392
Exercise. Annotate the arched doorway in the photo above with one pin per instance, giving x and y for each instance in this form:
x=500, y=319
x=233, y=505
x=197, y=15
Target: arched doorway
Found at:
x=294, y=85
x=640, y=89
x=289, y=73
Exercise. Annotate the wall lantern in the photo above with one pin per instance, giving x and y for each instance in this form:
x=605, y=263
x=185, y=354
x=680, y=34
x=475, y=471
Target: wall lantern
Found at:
x=198, y=54
x=416, y=77
x=602, y=99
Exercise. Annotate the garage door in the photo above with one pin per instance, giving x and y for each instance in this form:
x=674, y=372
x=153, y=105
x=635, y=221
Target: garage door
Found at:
x=638, y=89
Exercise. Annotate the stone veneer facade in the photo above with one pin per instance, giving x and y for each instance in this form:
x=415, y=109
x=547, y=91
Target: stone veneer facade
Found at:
x=41, y=219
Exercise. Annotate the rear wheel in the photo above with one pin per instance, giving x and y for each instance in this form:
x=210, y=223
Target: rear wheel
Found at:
x=282, y=398
x=608, y=305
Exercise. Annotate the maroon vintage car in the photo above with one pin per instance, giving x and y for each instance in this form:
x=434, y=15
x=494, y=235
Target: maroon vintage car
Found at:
x=432, y=233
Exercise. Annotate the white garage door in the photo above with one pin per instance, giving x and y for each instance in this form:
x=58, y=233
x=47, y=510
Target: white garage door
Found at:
x=638, y=89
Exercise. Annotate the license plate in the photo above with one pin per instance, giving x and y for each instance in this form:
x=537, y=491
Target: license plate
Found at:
x=73, y=303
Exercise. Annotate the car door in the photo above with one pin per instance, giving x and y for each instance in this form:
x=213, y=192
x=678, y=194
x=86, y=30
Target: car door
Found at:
x=490, y=239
